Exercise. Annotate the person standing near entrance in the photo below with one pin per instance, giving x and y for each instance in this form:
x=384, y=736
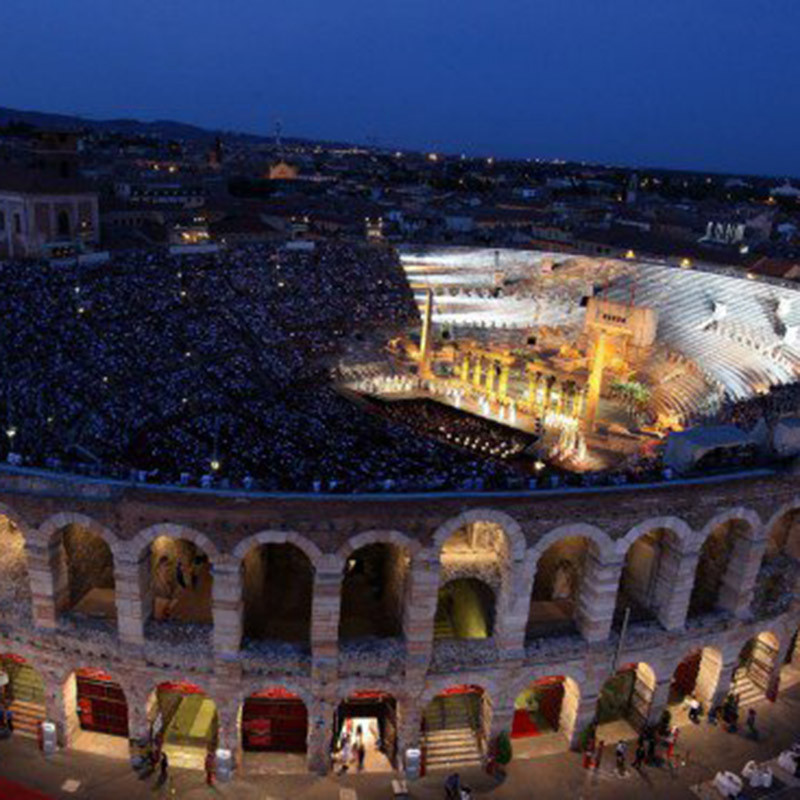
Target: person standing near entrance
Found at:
x=163, y=766
x=620, y=751
x=210, y=764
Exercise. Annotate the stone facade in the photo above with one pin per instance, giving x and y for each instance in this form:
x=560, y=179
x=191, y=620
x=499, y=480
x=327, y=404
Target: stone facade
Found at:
x=226, y=526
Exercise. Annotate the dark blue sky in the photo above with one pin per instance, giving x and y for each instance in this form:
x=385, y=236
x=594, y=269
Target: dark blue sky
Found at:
x=707, y=84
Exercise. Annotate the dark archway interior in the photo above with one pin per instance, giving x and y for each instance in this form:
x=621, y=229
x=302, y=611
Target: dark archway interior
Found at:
x=89, y=574
x=465, y=609
x=182, y=582
x=640, y=588
x=556, y=585
x=278, y=591
x=374, y=592
x=711, y=568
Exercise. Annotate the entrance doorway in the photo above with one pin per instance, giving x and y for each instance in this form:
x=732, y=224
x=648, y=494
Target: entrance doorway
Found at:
x=97, y=713
x=184, y=721
x=370, y=719
x=544, y=717
x=23, y=695
x=453, y=727
x=624, y=703
x=753, y=677
x=696, y=677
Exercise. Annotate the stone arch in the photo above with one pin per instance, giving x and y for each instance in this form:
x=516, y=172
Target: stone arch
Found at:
x=278, y=574
x=758, y=668
x=375, y=585
x=467, y=607
x=433, y=688
x=82, y=557
x=561, y=569
x=627, y=695
x=54, y=524
x=544, y=703
x=308, y=547
x=651, y=554
x=602, y=541
x=682, y=532
x=147, y=536
x=377, y=537
x=697, y=672
x=515, y=536
x=274, y=717
x=738, y=514
x=27, y=530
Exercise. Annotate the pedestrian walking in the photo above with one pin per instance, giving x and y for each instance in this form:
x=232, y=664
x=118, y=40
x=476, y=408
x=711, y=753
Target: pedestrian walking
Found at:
x=751, y=723
x=620, y=752
x=598, y=755
x=163, y=766
x=361, y=753
x=638, y=759
x=210, y=764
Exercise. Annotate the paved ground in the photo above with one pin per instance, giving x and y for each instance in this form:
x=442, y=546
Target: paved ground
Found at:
x=705, y=749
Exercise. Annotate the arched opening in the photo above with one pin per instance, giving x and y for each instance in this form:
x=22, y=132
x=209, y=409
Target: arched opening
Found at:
x=475, y=571
x=623, y=706
x=84, y=577
x=96, y=713
x=23, y=694
x=465, y=609
x=15, y=587
x=181, y=584
x=274, y=731
x=183, y=722
x=780, y=568
x=374, y=592
x=544, y=716
x=63, y=224
x=695, y=679
x=278, y=588
x=755, y=675
x=712, y=565
x=368, y=720
x=455, y=727
x=556, y=587
x=645, y=584
x=790, y=672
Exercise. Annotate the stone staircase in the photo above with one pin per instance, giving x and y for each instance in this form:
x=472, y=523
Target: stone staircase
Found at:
x=747, y=690
x=27, y=716
x=450, y=738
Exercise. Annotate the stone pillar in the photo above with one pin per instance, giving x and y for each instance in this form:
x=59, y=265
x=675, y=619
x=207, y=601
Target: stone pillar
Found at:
x=512, y=616
x=708, y=676
x=502, y=389
x=502, y=718
x=409, y=725
x=597, y=597
x=570, y=709
x=582, y=712
x=131, y=613
x=674, y=582
x=326, y=608
x=320, y=734
x=47, y=572
x=741, y=574
x=727, y=669
x=659, y=699
x=490, y=377
x=476, y=376
x=421, y=609
x=465, y=369
x=226, y=607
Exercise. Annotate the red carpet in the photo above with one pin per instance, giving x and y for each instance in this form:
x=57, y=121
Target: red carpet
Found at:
x=13, y=791
x=523, y=725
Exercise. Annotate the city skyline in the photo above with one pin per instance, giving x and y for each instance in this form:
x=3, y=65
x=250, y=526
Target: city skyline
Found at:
x=680, y=88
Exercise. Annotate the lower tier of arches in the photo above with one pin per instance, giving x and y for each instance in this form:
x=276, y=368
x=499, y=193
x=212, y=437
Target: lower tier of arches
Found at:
x=119, y=706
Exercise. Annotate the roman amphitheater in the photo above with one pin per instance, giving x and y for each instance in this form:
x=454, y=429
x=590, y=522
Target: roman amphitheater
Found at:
x=582, y=580
x=467, y=603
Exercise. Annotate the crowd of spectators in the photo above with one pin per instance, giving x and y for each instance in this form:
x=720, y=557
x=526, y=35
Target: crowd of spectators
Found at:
x=210, y=369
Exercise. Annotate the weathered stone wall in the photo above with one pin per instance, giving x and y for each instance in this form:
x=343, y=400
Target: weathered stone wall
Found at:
x=326, y=530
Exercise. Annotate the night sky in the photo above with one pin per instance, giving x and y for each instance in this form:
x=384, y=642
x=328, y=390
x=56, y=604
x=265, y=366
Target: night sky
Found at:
x=704, y=84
